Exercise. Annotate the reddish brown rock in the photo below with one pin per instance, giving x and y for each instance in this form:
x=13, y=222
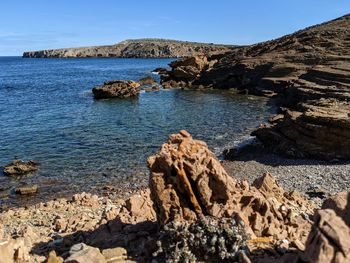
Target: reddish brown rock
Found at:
x=187, y=181
x=329, y=239
x=116, y=89
x=340, y=203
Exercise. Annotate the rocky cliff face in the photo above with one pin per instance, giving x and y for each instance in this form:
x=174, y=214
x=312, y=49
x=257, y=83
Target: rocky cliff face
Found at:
x=138, y=48
x=309, y=71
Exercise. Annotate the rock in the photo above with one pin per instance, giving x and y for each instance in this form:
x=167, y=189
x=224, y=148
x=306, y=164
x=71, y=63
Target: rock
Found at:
x=187, y=181
x=6, y=252
x=27, y=190
x=147, y=81
x=115, y=255
x=135, y=48
x=53, y=258
x=19, y=167
x=340, y=203
x=329, y=239
x=116, y=89
x=81, y=253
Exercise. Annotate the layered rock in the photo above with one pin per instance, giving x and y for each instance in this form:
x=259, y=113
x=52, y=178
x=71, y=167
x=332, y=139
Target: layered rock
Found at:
x=19, y=167
x=187, y=182
x=308, y=70
x=116, y=89
x=135, y=48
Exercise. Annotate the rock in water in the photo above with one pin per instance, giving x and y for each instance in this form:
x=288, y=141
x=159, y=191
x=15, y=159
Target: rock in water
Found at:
x=19, y=167
x=147, y=81
x=187, y=181
x=116, y=89
x=27, y=190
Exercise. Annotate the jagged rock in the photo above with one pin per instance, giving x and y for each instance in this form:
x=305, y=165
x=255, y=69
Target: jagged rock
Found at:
x=187, y=181
x=81, y=253
x=329, y=239
x=27, y=190
x=19, y=167
x=116, y=89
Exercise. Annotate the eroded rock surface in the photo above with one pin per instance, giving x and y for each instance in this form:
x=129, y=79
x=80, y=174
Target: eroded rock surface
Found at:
x=116, y=89
x=187, y=182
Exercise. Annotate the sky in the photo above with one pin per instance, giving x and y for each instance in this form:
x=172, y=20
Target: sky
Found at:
x=45, y=24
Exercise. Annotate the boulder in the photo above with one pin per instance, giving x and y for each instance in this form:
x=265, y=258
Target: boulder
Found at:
x=116, y=89
x=187, y=181
x=81, y=253
x=19, y=167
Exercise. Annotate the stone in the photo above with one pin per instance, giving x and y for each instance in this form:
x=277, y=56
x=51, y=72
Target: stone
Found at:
x=53, y=258
x=115, y=255
x=147, y=81
x=27, y=190
x=6, y=252
x=81, y=253
x=116, y=89
x=340, y=203
x=19, y=167
x=328, y=240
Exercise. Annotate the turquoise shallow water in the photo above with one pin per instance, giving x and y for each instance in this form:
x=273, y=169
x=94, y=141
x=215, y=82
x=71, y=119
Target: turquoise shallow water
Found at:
x=47, y=113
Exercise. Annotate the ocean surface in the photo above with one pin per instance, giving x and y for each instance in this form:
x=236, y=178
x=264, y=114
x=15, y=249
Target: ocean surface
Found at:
x=48, y=114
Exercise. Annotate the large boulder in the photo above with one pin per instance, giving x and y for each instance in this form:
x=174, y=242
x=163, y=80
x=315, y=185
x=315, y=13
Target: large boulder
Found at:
x=116, y=89
x=19, y=167
x=188, y=182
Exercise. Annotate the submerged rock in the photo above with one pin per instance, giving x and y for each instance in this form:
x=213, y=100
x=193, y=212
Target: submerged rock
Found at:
x=116, y=89
x=27, y=190
x=19, y=167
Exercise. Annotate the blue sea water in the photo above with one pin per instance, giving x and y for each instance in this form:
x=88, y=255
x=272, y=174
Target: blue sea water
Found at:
x=48, y=114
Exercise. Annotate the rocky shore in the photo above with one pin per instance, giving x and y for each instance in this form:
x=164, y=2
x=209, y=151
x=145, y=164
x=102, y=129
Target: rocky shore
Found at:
x=308, y=71
x=135, y=48
x=193, y=211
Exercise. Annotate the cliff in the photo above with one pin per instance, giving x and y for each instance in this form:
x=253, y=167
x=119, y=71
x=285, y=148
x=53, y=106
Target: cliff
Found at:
x=308, y=70
x=135, y=48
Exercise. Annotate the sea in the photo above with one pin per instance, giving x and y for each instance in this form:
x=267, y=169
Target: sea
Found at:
x=48, y=114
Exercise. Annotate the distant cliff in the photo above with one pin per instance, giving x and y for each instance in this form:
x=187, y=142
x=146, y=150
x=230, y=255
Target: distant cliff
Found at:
x=135, y=48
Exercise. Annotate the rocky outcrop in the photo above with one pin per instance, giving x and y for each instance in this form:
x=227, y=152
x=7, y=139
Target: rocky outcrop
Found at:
x=309, y=71
x=19, y=168
x=187, y=182
x=135, y=48
x=116, y=89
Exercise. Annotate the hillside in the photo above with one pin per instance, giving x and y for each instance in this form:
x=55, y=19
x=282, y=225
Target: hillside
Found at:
x=309, y=71
x=135, y=48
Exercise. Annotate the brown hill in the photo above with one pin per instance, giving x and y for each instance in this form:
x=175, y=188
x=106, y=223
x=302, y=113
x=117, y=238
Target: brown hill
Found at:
x=135, y=48
x=309, y=70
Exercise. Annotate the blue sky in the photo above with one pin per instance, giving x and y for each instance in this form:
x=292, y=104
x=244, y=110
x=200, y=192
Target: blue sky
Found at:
x=43, y=24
